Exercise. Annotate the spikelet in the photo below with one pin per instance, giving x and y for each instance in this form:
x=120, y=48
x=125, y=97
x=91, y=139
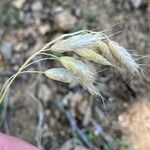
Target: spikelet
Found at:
x=89, y=54
x=77, y=42
x=123, y=57
x=104, y=49
x=77, y=67
x=92, y=89
x=61, y=74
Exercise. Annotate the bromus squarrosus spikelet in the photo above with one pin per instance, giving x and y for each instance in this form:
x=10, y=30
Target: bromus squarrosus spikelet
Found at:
x=104, y=49
x=89, y=54
x=61, y=74
x=82, y=71
x=77, y=42
x=84, y=43
x=124, y=57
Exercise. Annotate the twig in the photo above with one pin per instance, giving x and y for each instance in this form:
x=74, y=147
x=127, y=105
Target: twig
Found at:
x=4, y=109
x=74, y=125
x=40, y=120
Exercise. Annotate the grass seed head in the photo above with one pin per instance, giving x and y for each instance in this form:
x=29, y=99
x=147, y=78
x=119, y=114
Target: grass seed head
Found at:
x=61, y=74
x=77, y=67
x=77, y=42
x=89, y=54
x=124, y=57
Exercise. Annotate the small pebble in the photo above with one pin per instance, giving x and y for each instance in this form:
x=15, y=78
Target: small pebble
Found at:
x=6, y=50
x=18, y=3
x=37, y=6
x=64, y=21
x=43, y=29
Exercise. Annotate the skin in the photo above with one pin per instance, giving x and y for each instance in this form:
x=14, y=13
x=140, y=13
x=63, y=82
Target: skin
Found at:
x=12, y=143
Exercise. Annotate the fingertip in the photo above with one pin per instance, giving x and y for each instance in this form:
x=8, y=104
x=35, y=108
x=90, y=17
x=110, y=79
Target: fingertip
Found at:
x=13, y=143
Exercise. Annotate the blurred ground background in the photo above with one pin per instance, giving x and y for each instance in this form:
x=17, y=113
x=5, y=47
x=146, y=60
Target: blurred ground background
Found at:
x=120, y=124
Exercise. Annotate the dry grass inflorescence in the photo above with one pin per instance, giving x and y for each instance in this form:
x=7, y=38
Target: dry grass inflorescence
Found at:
x=92, y=46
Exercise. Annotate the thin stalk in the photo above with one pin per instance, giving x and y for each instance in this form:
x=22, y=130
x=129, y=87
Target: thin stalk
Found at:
x=38, y=61
x=6, y=83
x=53, y=56
x=21, y=72
x=39, y=129
x=21, y=68
x=42, y=72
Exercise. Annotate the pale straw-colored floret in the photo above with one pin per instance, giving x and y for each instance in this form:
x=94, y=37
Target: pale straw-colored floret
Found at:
x=92, y=89
x=124, y=57
x=77, y=42
x=104, y=49
x=89, y=54
x=61, y=74
x=77, y=67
